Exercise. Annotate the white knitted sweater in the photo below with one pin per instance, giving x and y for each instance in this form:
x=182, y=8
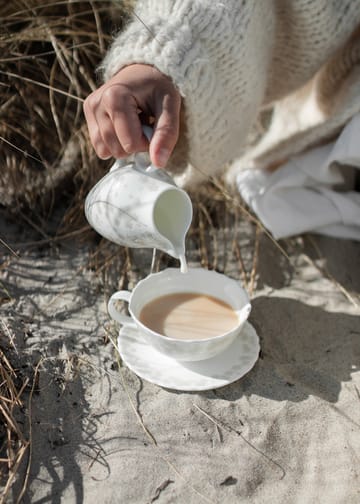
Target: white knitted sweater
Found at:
x=231, y=58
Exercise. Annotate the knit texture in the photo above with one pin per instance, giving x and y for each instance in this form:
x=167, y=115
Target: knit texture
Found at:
x=229, y=59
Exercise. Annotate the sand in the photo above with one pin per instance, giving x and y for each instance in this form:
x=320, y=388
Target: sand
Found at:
x=287, y=432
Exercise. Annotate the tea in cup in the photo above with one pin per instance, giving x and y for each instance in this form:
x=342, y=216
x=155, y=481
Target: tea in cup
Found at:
x=189, y=317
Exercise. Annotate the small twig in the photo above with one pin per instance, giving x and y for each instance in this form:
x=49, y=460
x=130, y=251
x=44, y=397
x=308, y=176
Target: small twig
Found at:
x=7, y=330
x=255, y=261
x=34, y=225
x=238, y=433
x=160, y=489
x=327, y=274
x=13, y=432
x=204, y=211
x=9, y=248
x=26, y=154
x=216, y=422
x=14, y=468
x=55, y=239
x=95, y=458
x=145, y=429
x=41, y=84
x=237, y=251
x=148, y=433
x=248, y=214
x=27, y=472
x=203, y=249
x=153, y=262
x=357, y=392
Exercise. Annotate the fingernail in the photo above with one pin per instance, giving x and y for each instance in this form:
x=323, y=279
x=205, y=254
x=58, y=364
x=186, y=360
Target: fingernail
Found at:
x=163, y=157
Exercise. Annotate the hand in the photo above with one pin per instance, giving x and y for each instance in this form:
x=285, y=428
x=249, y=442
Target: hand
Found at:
x=113, y=114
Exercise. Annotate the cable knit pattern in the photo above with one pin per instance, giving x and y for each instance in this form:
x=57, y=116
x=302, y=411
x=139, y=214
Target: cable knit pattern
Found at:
x=230, y=58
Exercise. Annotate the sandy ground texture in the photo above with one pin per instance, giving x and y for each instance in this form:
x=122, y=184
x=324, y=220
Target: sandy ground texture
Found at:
x=287, y=432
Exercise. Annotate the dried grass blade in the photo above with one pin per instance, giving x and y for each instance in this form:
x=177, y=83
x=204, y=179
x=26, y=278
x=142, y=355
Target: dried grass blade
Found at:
x=41, y=84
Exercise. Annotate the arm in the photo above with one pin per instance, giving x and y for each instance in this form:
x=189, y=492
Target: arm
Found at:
x=228, y=58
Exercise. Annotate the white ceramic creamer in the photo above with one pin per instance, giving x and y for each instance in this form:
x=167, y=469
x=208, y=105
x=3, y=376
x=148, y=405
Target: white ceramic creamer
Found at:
x=135, y=206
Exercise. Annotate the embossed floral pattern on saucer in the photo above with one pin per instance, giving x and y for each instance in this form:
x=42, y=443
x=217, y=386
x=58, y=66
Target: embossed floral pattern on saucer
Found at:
x=230, y=365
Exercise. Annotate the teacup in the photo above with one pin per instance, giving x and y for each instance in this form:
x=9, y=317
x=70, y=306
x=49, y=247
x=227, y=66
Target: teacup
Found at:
x=197, y=283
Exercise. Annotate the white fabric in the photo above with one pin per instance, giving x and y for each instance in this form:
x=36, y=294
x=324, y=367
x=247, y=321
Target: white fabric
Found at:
x=305, y=194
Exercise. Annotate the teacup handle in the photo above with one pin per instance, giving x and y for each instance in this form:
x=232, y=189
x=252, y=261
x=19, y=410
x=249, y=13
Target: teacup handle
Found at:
x=114, y=313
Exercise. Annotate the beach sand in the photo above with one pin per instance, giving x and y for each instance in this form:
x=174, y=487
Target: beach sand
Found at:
x=286, y=432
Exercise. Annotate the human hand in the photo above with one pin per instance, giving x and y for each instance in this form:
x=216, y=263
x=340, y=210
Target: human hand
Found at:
x=113, y=114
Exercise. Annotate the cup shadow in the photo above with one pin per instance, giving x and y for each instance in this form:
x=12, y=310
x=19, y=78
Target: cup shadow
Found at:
x=305, y=351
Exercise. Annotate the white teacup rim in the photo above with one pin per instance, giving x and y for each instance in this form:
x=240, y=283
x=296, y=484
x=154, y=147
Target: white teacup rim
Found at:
x=242, y=313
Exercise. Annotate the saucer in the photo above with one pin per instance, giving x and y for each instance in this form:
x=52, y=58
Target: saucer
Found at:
x=228, y=366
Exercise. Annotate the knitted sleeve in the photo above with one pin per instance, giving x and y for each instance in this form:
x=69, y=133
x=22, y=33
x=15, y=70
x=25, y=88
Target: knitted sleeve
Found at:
x=229, y=57
x=307, y=34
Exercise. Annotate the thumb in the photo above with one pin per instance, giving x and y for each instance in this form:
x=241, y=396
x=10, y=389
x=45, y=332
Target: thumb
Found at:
x=166, y=129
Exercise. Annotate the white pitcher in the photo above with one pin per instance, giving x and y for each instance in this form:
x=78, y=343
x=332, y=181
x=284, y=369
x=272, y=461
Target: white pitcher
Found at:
x=140, y=207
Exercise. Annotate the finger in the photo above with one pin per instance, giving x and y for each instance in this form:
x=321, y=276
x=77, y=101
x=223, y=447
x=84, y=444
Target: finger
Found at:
x=166, y=131
x=122, y=109
x=94, y=132
x=105, y=140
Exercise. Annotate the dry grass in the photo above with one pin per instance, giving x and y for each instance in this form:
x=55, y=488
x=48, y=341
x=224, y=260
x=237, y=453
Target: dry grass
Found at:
x=13, y=443
x=14, y=436
x=49, y=53
x=16, y=392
